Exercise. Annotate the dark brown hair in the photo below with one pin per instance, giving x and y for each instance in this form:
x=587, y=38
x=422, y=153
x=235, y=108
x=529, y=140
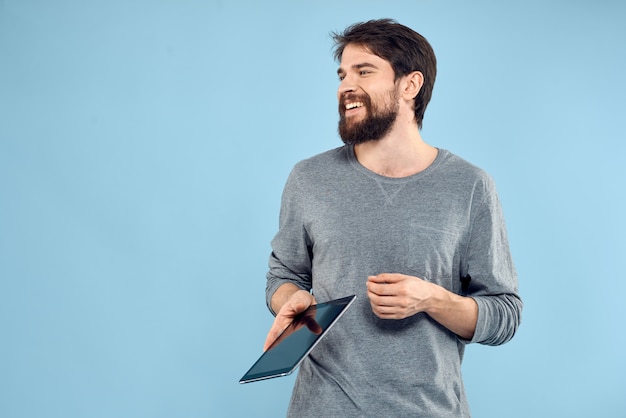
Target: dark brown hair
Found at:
x=405, y=49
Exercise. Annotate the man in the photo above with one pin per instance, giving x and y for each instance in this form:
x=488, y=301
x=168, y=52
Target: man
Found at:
x=414, y=231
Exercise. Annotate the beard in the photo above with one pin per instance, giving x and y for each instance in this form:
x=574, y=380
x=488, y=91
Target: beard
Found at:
x=376, y=124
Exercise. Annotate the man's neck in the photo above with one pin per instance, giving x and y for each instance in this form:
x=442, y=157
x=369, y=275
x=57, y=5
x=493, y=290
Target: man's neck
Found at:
x=401, y=153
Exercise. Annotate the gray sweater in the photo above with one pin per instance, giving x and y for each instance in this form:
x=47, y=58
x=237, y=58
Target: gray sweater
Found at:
x=339, y=224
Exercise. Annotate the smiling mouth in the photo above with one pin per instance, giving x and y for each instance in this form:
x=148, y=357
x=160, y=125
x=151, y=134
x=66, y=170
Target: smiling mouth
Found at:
x=354, y=105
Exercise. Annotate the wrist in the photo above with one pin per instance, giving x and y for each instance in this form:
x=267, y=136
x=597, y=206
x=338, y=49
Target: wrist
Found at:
x=457, y=313
x=439, y=300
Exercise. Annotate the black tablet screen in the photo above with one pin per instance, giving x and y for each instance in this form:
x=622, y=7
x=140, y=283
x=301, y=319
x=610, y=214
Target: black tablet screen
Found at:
x=297, y=340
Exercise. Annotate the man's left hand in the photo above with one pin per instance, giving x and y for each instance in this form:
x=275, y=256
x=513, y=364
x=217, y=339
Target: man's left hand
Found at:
x=398, y=296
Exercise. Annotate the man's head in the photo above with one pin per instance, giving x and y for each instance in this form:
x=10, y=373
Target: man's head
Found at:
x=404, y=49
x=369, y=97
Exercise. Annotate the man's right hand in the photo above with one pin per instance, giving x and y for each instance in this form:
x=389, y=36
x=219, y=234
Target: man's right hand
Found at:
x=297, y=302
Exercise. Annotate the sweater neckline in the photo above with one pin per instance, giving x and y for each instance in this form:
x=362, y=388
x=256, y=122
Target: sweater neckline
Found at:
x=441, y=156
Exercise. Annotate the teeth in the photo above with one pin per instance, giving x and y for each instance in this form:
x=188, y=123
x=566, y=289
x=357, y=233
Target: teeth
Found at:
x=353, y=105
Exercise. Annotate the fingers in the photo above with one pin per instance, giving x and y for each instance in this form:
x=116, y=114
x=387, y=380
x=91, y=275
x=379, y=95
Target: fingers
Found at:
x=312, y=325
x=382, y=296
x=395, y=296
x=279, y=325
x=390, y=307
x=384, y=312
x=298, y=302
x=383, y=284
x=387, y=278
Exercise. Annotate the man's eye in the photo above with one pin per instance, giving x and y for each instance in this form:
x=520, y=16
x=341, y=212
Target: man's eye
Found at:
x=364, y=72
x=341, y=77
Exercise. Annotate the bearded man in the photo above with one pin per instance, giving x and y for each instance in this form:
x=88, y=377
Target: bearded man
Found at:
x=416, y=232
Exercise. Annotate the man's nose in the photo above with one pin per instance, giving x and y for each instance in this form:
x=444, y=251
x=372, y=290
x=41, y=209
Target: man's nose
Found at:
x=346, y=86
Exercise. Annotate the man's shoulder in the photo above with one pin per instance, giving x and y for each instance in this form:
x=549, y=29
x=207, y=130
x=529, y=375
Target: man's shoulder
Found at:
x=323, y=161
x=454, y=164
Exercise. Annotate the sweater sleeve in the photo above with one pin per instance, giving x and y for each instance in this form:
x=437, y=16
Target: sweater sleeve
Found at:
x=493, y=283
x=290, y=260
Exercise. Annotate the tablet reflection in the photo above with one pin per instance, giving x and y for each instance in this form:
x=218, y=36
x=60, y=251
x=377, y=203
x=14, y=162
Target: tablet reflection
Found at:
x=306, y=318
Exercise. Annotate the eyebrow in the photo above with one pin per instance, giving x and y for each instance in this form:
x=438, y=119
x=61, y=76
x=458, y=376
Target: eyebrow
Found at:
x=358, y=67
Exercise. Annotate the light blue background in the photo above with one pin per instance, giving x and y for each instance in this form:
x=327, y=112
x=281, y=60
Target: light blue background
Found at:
x=143, y=150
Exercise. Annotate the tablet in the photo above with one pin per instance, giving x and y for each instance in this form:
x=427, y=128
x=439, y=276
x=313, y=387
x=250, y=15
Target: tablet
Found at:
x=297, y=340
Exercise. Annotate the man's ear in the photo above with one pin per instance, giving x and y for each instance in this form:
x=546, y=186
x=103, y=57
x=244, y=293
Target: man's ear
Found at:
x=413, y=83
